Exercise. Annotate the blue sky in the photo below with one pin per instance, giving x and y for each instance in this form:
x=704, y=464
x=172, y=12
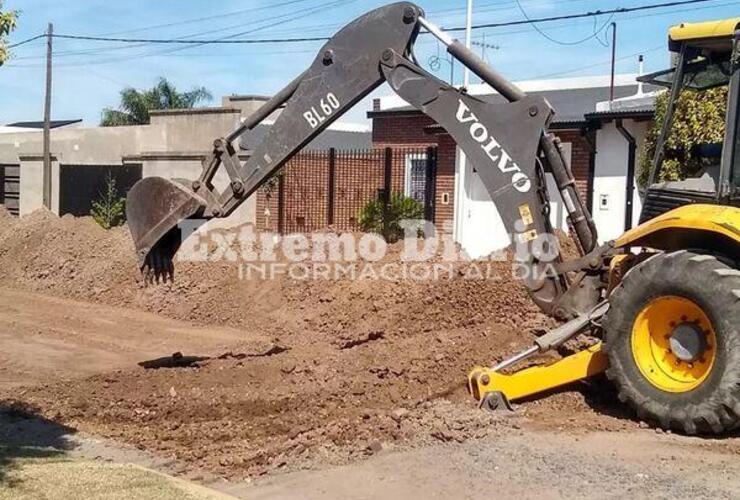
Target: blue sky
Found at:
x=89, y=75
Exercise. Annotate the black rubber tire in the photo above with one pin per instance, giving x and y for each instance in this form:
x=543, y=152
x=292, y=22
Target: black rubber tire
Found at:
x=713, y=406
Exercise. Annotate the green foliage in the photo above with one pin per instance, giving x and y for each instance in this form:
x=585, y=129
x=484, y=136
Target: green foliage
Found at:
x=109, y=209
x=374, y=217
x=699, y=118
x=7, y=24
x=136, y=104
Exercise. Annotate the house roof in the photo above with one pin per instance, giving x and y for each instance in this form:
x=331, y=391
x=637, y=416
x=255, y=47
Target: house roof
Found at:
x=4, y=129
x=40, y=124
x=646, y=112
x=570, y=105
x=342, y=138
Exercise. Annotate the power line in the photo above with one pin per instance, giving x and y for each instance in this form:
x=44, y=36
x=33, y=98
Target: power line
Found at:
x=495, y=6
x=310, y=39
x=619, y=10
x=209, y=18
x=594, y=65
x=27, y=40
x=295, y=15
x=191, y=42
x=271, y=21
x=560, y=42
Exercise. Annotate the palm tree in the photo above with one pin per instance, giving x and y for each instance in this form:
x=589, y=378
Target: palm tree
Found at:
x=136, y=104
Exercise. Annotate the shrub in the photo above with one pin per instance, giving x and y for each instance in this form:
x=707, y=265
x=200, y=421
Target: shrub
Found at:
x=699, y=118
x=376, y=219
x=109, y=210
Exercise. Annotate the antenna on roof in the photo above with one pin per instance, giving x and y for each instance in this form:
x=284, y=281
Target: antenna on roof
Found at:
x=640, y=69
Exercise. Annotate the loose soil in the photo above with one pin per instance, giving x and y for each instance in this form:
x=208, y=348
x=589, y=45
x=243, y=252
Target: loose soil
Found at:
x=317, y=371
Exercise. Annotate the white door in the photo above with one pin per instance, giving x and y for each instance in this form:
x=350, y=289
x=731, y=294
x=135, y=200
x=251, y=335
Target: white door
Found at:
x=482, y=231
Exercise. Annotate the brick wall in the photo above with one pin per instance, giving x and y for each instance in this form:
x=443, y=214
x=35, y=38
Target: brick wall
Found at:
x=402, y=130
x=410, y=131
x=304, y=187
x=358, y=175
x=579, y=159
x=445, y=187
x=395, y=130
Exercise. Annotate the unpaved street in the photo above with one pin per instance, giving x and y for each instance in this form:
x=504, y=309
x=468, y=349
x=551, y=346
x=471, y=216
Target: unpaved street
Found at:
x=314, y=389
x=539, y=453
x=527, y=464
x=46, y=338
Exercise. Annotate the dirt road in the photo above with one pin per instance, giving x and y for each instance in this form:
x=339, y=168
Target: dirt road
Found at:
x=367, y=375
x=45, y=339
x=77, y=364
x=526, y=464
x=513, y=462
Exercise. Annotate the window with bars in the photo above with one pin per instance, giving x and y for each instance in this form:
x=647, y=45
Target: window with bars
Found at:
x=415, y=180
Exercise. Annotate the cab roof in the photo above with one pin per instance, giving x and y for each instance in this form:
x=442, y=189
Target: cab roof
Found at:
x=715, y=36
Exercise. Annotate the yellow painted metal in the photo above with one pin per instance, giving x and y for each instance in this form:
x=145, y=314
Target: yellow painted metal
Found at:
x=651, y=347
x=723, y=28
x=537, y=379
x=712, y=218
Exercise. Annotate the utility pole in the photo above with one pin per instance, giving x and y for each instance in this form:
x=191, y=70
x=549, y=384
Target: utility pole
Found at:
x=47, y=120
x=460, y=209
x=468, y=36
x=614, y=60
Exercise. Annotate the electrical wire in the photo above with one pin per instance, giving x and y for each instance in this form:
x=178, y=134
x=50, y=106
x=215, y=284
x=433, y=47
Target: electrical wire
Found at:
x=619, y=10
x=595, y=34
x=594, y=65
x=209, y=18
x=420, y=42
x=190, y=42
x=27, y=40
x=307, y=11
x=295, y=15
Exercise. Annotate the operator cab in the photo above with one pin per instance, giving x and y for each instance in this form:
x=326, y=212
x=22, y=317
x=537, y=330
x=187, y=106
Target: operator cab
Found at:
x=707, y=56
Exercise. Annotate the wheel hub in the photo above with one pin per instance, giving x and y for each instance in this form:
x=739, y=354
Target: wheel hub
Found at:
x=673, y=343
x=687, y=342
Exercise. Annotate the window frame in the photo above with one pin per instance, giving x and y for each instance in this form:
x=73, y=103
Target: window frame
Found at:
x=408, y=163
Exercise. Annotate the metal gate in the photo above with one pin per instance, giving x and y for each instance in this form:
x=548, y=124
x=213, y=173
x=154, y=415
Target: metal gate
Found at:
x=80, y=185
x=10, y=186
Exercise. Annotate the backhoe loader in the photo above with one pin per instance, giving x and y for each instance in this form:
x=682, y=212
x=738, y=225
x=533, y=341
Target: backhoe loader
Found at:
x=663, y=299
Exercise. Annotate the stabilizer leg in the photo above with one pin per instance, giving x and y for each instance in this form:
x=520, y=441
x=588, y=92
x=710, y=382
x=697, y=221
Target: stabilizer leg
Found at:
x=484, y=382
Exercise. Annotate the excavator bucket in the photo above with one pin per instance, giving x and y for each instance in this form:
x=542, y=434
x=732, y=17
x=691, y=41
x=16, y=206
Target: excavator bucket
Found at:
x=154, y=209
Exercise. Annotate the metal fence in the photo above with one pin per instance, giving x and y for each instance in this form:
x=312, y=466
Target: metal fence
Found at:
x=321, y=189
x=10, y=178
x=81, y=185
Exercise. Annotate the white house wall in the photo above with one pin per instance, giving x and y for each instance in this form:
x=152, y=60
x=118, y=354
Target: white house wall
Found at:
x=610, y=179
x=480, y=230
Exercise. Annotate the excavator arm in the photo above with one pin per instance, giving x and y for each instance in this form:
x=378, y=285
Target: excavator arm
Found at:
x=507, y=143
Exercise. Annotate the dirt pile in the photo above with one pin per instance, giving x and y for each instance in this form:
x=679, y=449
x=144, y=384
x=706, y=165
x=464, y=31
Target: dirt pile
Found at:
x=328, y=369
x=67, y=256
x=76, y=258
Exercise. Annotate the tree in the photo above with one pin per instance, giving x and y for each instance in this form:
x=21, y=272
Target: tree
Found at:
x=136, y=104
x=110, y=208
x=7, y=24
x=699, y=118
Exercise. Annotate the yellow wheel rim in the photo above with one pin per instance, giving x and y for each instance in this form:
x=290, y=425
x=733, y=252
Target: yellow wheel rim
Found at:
x=652, y=348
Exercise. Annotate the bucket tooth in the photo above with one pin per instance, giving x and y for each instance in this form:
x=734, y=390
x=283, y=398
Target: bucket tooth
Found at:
x=154, y=208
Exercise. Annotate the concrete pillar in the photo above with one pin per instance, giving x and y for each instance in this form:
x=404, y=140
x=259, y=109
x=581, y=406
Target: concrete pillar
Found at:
x=32, y=183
